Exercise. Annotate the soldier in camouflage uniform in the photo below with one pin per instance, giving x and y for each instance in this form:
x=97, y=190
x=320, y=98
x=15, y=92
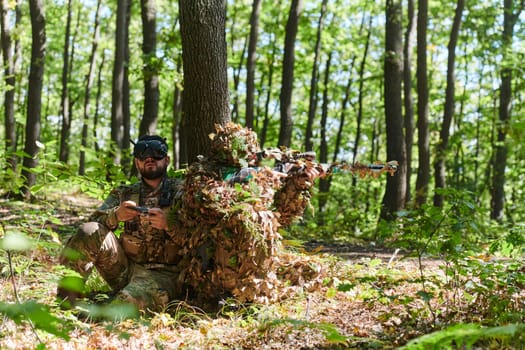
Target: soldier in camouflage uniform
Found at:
x=141, y=264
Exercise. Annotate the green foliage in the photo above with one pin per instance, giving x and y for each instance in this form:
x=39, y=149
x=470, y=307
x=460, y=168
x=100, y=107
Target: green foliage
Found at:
x=39, y=315
x=329, y=331
x=466, y=336
x=446, y=232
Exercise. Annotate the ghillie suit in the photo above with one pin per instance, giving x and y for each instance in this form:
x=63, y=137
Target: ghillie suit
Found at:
x=229, y=230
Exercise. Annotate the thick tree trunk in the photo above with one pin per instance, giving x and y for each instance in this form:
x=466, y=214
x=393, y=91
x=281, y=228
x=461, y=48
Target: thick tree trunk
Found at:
x=36, y=77
x=441, y=152
x=205, y=95
x=148, y=123
x=423, y=172
x=395, y=194
x=285, y=98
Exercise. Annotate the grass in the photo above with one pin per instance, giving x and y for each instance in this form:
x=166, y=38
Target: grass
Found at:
x=368, y=300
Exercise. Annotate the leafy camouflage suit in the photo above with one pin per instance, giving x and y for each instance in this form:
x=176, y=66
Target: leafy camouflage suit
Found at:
x=141, y=264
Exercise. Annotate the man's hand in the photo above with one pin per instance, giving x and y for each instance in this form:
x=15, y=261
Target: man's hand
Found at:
x=157, y=219
x=125, y=211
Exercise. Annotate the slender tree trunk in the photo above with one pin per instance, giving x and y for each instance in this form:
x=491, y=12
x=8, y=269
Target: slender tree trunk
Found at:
x=36, y=77
x=441, y=154
x=407, y=88
x=312, y=105
x=266, y=120
x=395, y=194
x=361, y=93
x=251, y=61
x=90, y=77
x=64, y=98
x=510, y=16
x=285, y=98
x=148, y=123
x=9, y=81
x=324, y=184
x=118, y=107
x=423, y=172
x=179, y=142
x=97, y=103
x=205, y=95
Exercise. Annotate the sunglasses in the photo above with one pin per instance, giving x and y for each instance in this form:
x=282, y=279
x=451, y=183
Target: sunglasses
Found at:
x=150, y=149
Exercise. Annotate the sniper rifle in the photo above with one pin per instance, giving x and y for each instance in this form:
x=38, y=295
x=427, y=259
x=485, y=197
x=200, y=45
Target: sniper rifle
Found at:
x=287, y=158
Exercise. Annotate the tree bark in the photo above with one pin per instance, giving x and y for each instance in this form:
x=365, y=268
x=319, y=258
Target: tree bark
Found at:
x=423, y=173
x=510, y=16
x=148, y=123
x=205, y=95
x=312, y=104
x=441, y=151
x=324, y=184
x=285, y=98
x=407, y=88
x=395, y=194
x=266, y=118
x=251, y=61
x=36, y=77
x=119, y=109
x=9, y=81
x=90, y=77
x=64, y=97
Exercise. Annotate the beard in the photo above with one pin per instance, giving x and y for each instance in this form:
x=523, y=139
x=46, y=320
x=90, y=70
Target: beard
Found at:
x=154, y=173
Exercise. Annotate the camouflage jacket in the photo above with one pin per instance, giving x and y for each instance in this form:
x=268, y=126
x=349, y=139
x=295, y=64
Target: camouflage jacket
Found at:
x=143, y=244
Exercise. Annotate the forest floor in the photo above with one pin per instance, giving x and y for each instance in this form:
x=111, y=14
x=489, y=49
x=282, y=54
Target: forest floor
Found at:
x=371, y=299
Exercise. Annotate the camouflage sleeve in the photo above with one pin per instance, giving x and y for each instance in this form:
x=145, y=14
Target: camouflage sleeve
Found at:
x=105, y=214
x=294, y=196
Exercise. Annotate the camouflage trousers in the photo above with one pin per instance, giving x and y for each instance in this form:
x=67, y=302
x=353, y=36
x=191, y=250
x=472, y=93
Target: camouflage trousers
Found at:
x=148, y=286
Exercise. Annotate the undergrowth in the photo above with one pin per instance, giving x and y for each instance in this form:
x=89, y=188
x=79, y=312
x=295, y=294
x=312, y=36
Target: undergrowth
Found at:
x=447, y=279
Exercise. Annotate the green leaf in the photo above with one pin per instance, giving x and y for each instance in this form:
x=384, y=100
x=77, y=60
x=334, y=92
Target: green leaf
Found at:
x=345, y=287
x=16, y=241
x=39, y=315
x=72, y=283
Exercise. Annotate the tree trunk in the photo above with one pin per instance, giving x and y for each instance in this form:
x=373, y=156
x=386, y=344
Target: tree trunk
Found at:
x=148, y=123
x=64, y=97
x=120, y=71
x=36, y=77
x=407, y=88
x=423, y=172
x=205, y=95
x=510, y=16
x=250, y=63
x=395, y=194
x=441, y=152
x=312, y=105
x=179, y=140
x=9, y=81
x=324, y=184
x=285, y=98
x=97, y=102
x=361, y=93
x=266, y=114
x=90, y=77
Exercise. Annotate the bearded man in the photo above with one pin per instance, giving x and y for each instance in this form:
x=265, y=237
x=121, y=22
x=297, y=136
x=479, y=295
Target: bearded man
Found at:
x=141, y=265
